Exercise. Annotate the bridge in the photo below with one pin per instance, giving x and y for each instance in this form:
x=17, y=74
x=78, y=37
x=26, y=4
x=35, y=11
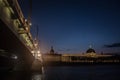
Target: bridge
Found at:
x=15, y=36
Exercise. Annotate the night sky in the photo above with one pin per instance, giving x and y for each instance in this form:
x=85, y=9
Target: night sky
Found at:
x=70, y=26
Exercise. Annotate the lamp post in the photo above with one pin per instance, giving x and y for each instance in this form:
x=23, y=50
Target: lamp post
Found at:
x=36, y=53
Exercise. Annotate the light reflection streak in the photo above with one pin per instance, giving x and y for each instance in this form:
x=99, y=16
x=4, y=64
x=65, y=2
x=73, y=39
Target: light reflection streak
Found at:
x=37, y=77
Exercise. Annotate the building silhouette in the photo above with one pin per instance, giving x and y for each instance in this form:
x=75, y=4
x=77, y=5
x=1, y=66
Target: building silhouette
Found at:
x=90, y=56
x=52, y=50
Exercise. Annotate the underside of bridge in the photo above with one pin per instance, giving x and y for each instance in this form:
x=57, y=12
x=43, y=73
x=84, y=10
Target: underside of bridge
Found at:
x=11, y=43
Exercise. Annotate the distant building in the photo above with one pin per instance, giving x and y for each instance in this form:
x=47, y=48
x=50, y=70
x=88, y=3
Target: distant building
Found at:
x=88, y=57
x=51, y=56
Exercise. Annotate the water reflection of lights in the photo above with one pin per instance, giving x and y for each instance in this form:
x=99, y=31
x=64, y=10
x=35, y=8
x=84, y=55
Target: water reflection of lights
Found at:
x=37, y=77
x=43, y=71
x=38, y=52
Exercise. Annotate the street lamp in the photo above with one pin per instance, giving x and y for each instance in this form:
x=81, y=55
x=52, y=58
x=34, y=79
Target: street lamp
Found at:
x=32, y=52
x=39, y=55
x=36, y=53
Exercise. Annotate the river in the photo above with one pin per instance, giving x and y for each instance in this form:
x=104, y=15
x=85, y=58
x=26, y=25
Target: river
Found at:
x=84, y=72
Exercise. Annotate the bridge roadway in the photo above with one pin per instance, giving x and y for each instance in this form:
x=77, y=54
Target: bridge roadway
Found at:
x=15, y=34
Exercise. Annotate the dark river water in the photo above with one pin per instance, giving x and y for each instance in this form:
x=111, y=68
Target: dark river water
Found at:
x=88, y=72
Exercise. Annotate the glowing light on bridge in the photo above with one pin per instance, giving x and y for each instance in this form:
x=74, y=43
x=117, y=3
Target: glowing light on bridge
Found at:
x=30, y=24
x=25, y=20
x=38, y=52
x=32, y=52
x=39, y=55
x=35, y=44
x=14, y=57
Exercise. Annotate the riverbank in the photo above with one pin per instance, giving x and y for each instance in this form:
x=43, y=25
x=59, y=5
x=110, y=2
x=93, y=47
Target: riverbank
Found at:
x=78, y=63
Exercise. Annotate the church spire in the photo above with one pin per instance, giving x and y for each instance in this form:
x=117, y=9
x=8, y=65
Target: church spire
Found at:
x=52, y=50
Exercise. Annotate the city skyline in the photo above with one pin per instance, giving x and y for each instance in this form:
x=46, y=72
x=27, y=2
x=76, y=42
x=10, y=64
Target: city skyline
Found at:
x=71, y=26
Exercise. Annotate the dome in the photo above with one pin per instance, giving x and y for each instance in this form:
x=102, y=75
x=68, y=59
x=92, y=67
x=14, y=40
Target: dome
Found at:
x=90, y=50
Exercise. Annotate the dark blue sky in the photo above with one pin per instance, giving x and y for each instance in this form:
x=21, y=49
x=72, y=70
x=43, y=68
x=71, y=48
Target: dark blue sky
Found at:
x=70, y=26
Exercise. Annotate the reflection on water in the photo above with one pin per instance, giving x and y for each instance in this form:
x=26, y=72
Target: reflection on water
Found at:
x=99, y=72
x=21, y=75
x=37, y=77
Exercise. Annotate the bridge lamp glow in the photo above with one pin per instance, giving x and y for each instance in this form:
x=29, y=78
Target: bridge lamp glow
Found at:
x=38, y=52
x=25, y=20
x=35, y=44
x=39, y=55
x=32, y=52
x=26, y=28
x=30, y=24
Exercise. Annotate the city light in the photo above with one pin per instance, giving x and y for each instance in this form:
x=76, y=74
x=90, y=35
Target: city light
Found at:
x=32, y=52
x=39, y=55
x=30, y=24
x=38, y=52
x=25, y=20
x=35, y=44
x=26, y=28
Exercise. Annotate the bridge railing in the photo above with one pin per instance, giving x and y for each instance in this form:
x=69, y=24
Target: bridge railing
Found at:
x=11, y=15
